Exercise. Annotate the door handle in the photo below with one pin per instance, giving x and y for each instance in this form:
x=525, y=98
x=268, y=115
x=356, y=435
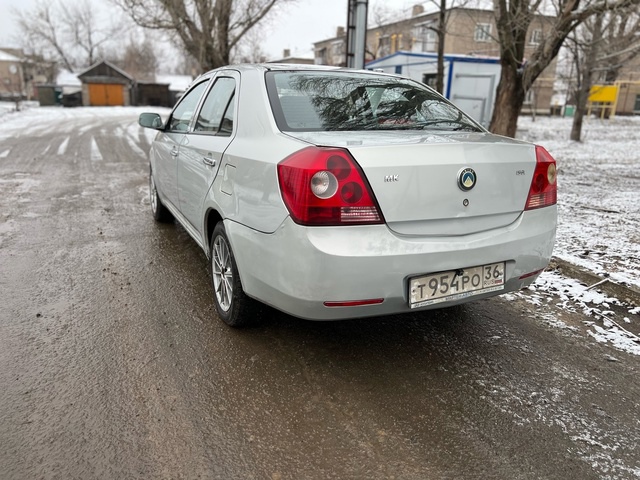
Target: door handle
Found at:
x=174, y=152
x=209, y=161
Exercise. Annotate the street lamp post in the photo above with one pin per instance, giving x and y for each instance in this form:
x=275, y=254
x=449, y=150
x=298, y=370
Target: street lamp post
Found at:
x=356, y=32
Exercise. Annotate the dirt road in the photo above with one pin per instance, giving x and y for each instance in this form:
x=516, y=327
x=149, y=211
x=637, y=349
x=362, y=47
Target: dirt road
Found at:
x=114, y=365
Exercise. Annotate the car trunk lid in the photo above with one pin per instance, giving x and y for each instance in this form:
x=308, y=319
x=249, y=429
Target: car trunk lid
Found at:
x=416, y=178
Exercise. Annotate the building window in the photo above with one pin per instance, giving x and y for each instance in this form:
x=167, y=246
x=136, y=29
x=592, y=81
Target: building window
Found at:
x=321, y=56
x=483, y=32
x=636, y=108
x=337, y=48
x=384, y=46
x=425, y=38
x=536, y=37
x=429, y=79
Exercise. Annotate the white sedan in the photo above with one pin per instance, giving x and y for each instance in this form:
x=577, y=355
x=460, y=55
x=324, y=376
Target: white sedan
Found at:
x=333, y=193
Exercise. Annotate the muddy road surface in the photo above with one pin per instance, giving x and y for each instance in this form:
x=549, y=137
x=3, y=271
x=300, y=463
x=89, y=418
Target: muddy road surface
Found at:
x=113, y=364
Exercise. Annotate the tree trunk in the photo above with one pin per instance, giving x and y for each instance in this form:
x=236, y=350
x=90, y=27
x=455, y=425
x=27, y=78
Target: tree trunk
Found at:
x=582, y=95
x=576, y=126
x=513, y=18
x=441, y=34
x=509, y=100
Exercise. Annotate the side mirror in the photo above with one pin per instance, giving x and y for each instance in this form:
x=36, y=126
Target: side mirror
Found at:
x=150, y=120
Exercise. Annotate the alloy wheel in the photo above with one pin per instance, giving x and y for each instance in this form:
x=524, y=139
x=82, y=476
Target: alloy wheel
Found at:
x=222, y=272
x=153, y=194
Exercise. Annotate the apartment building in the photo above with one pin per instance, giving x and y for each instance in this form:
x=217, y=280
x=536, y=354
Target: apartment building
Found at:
x=628, y=102
x=11, y=77
x=469, y=31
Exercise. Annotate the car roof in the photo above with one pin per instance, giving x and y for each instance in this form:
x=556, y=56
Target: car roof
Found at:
x=246, y=67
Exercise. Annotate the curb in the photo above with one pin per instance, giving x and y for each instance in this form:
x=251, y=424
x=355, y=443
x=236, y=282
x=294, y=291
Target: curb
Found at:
x=625, y=293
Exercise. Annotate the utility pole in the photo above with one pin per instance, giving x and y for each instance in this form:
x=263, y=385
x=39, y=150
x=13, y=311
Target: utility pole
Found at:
x=356, y=32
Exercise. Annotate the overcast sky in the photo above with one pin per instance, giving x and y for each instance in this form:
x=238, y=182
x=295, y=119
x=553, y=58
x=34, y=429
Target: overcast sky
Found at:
x=295, y=26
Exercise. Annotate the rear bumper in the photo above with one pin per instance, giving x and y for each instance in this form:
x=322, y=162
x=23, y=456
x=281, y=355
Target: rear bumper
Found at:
x=296, y=269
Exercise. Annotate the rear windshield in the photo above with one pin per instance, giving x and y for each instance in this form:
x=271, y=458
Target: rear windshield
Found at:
x=305, y=101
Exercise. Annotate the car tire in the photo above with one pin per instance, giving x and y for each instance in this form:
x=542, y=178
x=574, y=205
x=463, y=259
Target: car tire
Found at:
x=159, y=211
x=234, y=307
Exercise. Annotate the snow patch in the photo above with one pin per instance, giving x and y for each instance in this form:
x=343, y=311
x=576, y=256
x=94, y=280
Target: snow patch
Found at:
x=96, y=156
x=577, y=297
x=619, y=338
x=62, y=149
x=143, y=192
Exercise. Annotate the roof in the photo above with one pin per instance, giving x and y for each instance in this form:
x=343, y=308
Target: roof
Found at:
x=67, y=79
x=177, y=83
x=7, y=57
x=404, y=56
x=108, y=64
x=294, y=60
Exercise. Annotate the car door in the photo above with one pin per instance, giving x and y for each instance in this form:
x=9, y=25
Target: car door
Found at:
x=203, y=146
x=166, y=147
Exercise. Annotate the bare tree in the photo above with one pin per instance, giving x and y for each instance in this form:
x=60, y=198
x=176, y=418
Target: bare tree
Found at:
x=440, y=33
x=382, y=18
x=599, y=49
x=586, y=43
x=513, y=18
x=43, y=28
x=440, y=30
x=249, y=49
x=207, y=29
x=86, y=31
x=621, y=39
x=138, y=58
x=438, y=27
x=70, y=32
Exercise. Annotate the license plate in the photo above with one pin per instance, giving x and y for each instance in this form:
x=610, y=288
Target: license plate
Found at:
x=455, y=284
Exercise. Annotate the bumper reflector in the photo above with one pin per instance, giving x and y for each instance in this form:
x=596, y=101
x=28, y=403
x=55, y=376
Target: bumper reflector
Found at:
x=531, y=274
x=354, y=303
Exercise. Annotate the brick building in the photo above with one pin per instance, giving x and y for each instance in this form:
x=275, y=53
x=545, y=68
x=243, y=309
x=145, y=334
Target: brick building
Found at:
x=469, y=31
x=11, y=77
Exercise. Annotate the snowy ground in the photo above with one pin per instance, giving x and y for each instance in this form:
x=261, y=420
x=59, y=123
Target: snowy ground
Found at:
x=10, y=107
x=598, y=202
x=599, y=192
x=598, y=220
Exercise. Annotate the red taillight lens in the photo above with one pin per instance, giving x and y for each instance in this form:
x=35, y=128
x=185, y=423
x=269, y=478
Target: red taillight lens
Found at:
x=325, y=186
x=544, y=187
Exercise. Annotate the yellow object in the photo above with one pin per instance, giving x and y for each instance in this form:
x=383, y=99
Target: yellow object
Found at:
x=604, y=93
x=604, y=98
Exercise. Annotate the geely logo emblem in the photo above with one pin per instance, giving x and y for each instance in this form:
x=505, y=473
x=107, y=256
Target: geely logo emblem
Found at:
x=467, y=179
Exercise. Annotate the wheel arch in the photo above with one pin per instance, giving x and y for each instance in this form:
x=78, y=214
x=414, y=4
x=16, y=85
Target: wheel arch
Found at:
x=212, y=218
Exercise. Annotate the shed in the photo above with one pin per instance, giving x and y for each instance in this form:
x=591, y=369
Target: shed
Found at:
x=49, y=95
x=469, y=81
x=71, y=88
x=153, y=94
x=104, y=84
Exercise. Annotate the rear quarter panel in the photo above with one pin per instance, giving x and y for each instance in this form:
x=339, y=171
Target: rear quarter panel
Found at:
x=246, y=188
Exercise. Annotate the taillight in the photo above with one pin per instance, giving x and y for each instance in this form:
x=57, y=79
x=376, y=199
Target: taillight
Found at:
x=325, y=186
x=544, y=187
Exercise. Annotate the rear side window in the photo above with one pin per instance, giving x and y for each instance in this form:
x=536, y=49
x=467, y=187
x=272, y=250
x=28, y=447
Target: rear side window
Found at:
x=183, y=113
x=325, y=101
x=217, y=113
